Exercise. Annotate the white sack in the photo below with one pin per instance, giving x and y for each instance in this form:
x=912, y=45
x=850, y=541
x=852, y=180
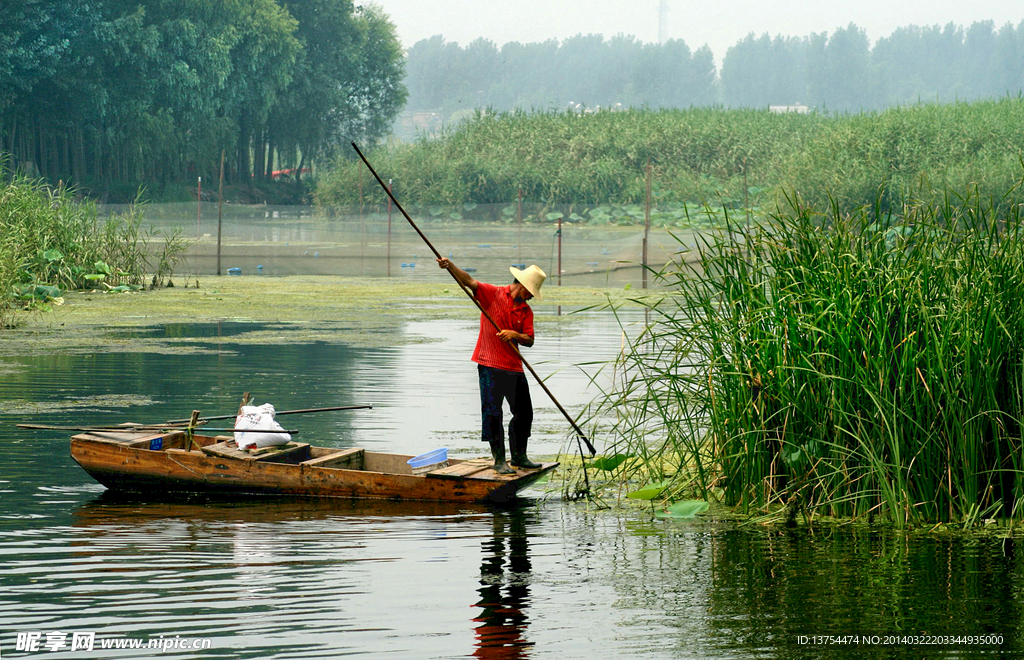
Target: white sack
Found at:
x=259, y=417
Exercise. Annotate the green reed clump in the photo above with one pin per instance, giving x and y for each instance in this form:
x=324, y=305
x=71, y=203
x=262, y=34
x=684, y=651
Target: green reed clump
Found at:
x=49, y=238
x=700, y=153
x=732, y=158
x=855, y=364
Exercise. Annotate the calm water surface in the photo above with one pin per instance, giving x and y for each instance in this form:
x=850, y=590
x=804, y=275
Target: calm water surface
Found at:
x=545, y=579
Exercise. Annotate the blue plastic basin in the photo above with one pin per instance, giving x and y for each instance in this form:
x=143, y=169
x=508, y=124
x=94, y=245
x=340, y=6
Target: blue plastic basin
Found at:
x=429, y=458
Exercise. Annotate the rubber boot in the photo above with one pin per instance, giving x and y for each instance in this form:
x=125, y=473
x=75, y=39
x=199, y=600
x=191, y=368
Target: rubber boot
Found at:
x=519, y=458
x=498, y=452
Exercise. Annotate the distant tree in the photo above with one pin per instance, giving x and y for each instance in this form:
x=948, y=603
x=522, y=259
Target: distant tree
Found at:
x=978, y=54
x=839, y=67
x=1008, y=60
x=702, y=79
x=920, y=64
x=584, y=70
x=529, y=76
x=432, y=72
x=743, y=69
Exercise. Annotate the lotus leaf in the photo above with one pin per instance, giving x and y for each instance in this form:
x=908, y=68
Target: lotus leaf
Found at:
x=648, y=492
x=684, y=509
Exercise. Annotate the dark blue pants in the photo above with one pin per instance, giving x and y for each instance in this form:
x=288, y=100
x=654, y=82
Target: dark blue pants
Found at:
x=497, y=385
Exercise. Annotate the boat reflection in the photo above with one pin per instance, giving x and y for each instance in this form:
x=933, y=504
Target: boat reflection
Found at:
x=113, y=508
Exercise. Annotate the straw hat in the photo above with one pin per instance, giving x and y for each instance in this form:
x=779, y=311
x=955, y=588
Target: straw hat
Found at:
x=531, y=278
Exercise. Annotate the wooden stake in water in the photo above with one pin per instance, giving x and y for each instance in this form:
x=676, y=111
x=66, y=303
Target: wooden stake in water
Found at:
x=519, y=220
x=559, y=232
x=746, y=189
x=647, y=223
x=389, y=227
x=220, y=207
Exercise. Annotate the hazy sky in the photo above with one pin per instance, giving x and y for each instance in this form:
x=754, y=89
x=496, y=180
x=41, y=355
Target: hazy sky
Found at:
x=719, y=24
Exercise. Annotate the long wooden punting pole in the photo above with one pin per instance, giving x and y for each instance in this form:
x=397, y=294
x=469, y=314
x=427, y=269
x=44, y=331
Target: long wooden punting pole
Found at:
x=572, y=422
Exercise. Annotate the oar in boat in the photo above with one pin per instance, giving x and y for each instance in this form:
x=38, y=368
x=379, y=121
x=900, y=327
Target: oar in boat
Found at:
x=283, y=412
x=119, y=428
x=579, y=432
x=136, y=429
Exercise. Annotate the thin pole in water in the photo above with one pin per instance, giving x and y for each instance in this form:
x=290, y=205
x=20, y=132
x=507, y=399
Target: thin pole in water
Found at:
x=746, y=189
x=199, y=209
x=647, y=223
x=559, y=232
x=389, y=227
x=220, y=207
x=519, y=218
x=362, y=226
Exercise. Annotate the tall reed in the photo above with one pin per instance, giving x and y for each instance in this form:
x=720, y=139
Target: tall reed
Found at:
x=714, y=155
x=48, y=237
x=868, y=363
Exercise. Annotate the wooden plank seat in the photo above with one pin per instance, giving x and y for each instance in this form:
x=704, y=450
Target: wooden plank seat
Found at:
x=265, y=454
x=481, y=468
x=477, y=468
x=349, y=459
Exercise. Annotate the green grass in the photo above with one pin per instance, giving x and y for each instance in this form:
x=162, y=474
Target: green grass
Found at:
x=852, y=364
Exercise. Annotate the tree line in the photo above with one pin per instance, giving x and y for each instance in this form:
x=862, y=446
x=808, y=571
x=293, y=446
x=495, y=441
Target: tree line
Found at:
x=101, y=91
x=843, y=71
x=838, y=71
x=587, y=70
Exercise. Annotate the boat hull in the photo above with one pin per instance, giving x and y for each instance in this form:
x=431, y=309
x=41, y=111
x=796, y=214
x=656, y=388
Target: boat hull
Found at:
x=120, y=464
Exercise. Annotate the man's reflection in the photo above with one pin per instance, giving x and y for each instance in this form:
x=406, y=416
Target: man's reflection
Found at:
x=504, y=588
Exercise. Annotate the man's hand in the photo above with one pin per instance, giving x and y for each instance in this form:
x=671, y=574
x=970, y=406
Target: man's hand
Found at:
x=509, y=336
x=462, y=276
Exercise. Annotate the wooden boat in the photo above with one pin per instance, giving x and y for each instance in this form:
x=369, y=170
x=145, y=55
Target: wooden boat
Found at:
x=144, y=461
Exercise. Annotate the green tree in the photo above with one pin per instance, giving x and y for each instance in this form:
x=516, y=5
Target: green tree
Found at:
x=376, y=92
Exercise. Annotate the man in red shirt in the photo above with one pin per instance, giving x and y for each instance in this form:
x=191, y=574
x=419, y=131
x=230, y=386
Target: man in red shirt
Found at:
x=499, y=366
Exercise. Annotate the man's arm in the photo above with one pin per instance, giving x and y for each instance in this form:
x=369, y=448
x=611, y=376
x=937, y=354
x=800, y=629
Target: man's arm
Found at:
x=461, y=275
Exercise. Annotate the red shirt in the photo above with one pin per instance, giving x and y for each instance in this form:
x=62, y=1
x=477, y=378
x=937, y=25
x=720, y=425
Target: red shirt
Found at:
x=509, y=315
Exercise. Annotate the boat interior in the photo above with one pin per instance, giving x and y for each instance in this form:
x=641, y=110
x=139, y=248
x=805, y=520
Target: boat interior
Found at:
x=292, y=453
